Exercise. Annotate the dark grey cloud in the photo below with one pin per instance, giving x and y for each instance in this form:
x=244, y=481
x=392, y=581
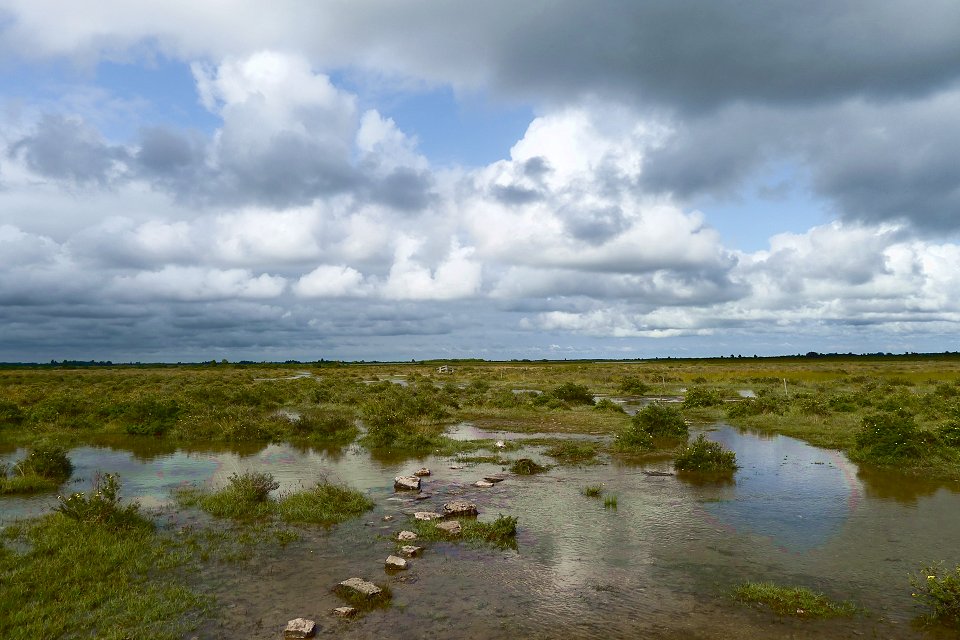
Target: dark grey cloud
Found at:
x=68, y=149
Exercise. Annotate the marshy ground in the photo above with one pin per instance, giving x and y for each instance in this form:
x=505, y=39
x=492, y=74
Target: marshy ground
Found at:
x=607, y=543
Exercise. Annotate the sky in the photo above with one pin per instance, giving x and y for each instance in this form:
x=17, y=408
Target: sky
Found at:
x=184, y=181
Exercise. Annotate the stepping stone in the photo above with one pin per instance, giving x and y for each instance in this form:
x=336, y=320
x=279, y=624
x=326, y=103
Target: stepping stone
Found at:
x=344, y=612
x=493, y=479
x=427, y=515
x=300, y=628
x=395, y=562
x=406, y=536
x=457, y=467
x=406, y=483
x=422, y=472
x=459, y=508
x=483, y=484
x=450, y=527
x=410, y=550
x=361, y=587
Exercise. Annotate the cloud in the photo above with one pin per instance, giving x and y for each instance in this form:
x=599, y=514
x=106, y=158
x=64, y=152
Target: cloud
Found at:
x=197, y=284
x=331, y=281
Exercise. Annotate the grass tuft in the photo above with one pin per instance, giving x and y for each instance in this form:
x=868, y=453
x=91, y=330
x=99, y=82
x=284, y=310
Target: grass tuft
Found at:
x=325, y=503
x=572, y=452
x=592, y=491
x=526, y=467
x=502, y=532
x=792, y=601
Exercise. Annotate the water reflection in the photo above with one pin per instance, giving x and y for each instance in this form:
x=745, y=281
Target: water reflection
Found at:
x=795, y=494
x=887, y=486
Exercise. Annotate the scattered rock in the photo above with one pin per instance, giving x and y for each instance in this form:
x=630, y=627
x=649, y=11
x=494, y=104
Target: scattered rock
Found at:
x=361, y=587
x=657, y=473
x=406, y=536
x=450, y=527
x=300, y=628
x=344, y=612
x=410, y=550
x=406, y=483
x=500, y=444
x=423, y=496
x=459, y=508
x=395, y=562
x=493, y=479
x=483, y=484
x=387, y=518
x=422, y=472
x=427, y=515
x=457, y=467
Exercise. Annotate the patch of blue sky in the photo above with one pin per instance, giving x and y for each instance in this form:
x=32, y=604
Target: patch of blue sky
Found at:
x=118, y=98
x=452, y=128
x=776, y=200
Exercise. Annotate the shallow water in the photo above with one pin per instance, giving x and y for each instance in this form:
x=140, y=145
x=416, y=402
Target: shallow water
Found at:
x=660, y=565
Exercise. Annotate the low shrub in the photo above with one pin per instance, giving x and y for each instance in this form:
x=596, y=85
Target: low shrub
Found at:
x=792, y=601
x=103, y=507
x=697, y=397
x=888, y=439
x=633, y=385
x=661, y=421
x=761, y=405
x=949, y=434
x=247, y=497
x=526, y=467
x=606, y=404
x=592, y=491
x=703, y=456
x=939, y=590
x=10, y=414
x=46, y=461
x=326, y=425
x=573, y=393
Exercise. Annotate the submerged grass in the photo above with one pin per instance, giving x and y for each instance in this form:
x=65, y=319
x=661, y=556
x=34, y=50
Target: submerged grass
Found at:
x=592, y=491
x=573, y=452
x=527, y=467
x=502, y=532
x=799, y=602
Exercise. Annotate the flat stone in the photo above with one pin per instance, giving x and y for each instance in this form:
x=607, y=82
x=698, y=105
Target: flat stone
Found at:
x=387, y=518
x=493, y=479
x=406, y=483
x=450, y=527
x=362, y=587
x=300, y=628
x=423, y=496
x=395, y=562
x=422, y=472
x=459, y=508
x=657, y=473
x=427, y=515
x=457, y=467
x=483, y=484
x=344, y=612
x=406, y=536
x=410, y=550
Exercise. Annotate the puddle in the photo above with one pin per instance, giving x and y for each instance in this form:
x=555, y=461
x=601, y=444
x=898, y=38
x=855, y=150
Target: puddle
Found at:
x=660, y=565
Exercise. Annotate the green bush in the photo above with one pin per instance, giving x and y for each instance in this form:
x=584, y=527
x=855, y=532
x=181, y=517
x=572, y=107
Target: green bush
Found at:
x=888, y=439
x=939, y=590
x=661, y=421
x=335, y=425
x=10, y=414
x=151, y=415
x=632, y=385
x=573, y=393
x=697, y=397
x=703, y=456
x=46, y=461
x=761, y=405
x=949, y=434
x=606, y=404
x=526, y=467
x=102, y=506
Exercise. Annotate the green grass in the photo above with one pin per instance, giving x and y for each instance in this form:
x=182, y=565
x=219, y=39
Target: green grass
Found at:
x=573, y=452
x=592, y=491
x=610, y=502
x=20, y=484
x=84, y=580
x=705, y=457
x=502, y=532
x=247, y=498
x=799, y=602
x=325, y=503
x=939, y=590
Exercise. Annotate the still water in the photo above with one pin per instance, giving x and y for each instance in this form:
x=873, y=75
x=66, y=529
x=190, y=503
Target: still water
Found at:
x=661, y=565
